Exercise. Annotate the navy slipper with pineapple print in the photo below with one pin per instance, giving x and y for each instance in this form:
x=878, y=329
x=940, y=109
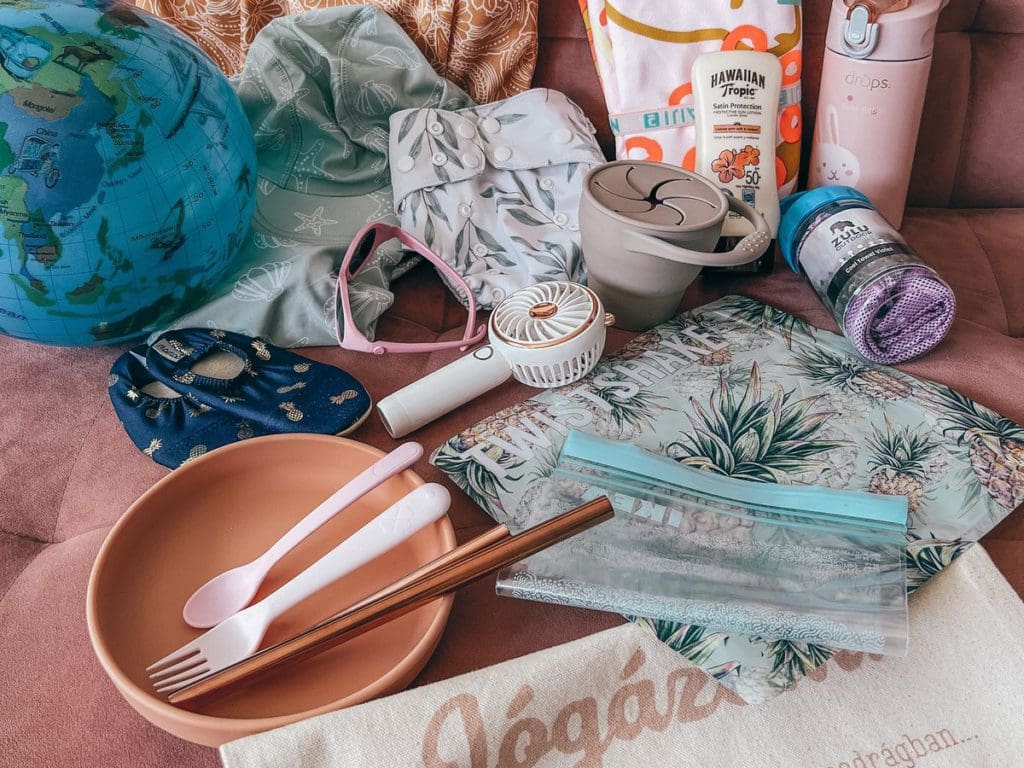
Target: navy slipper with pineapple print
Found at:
x=272, y=388
x=167, y=426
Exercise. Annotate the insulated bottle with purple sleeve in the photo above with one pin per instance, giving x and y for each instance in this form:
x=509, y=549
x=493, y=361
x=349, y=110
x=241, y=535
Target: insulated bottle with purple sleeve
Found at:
x=873, y=79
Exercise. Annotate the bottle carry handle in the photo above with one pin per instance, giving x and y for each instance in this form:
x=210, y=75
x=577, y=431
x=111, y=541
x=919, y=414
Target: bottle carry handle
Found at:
x=746, y=250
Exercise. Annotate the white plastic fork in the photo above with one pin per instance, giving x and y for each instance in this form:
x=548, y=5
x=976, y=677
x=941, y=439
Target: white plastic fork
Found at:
x=229, y=592
x=239, y=636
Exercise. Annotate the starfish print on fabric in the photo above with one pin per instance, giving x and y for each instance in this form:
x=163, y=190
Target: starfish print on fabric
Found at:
x=314, y=222
x=310, y=165
x=297, y=98
x=385, y=207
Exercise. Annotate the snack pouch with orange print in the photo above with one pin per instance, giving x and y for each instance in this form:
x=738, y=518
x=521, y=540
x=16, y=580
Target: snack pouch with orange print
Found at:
x=644, y=51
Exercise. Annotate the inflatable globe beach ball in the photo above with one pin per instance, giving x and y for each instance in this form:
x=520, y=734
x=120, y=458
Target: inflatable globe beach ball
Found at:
x=127, y=172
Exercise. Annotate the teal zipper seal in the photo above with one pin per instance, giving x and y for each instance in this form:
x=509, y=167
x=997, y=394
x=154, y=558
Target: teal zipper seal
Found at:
x=816, y=502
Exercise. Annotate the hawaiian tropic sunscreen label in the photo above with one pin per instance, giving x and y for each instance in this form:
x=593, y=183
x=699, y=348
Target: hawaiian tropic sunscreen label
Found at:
x=737, y=104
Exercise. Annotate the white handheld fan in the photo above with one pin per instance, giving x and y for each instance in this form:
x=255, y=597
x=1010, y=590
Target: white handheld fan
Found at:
x=545, y=335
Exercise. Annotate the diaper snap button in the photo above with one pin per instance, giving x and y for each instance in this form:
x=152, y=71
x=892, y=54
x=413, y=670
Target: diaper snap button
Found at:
x=436, y=128
x=479, y=249
x=490, y=125
x=470, y=161
x=465, y=209
x=503, y=153
x=497, y=295
x=546, y=184
x=406, y=164
x=466, y=130
x=439, y=158
x=561, y=219
x=562, y=136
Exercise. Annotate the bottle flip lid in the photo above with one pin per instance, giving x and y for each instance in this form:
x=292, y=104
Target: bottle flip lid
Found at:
x=882, y=30
x=798, y=209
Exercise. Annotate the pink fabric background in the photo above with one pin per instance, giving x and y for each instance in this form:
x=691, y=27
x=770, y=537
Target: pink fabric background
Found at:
x=69, y=471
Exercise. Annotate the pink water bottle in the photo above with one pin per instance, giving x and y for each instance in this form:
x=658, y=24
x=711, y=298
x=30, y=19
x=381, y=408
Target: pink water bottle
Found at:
x=873, y=79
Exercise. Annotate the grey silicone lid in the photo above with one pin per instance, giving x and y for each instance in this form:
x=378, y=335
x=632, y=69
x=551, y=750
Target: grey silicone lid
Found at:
x=657, y=194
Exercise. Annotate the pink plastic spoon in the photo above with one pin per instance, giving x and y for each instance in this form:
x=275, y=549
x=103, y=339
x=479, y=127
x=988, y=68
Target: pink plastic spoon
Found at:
x=228, y=593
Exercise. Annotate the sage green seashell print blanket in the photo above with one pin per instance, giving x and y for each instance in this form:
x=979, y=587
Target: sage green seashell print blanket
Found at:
x=818, y=414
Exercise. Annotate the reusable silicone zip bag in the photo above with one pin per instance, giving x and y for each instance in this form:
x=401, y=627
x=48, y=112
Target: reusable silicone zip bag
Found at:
x=788, y=562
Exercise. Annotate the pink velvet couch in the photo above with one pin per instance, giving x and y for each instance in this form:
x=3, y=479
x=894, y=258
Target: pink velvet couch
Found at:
x=69, y=471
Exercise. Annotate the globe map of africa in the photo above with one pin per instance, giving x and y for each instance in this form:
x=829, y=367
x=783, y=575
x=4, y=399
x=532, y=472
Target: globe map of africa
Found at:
x=127, y=172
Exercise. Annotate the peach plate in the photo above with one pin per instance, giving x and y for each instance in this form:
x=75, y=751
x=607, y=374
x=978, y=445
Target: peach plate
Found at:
x=224, y=509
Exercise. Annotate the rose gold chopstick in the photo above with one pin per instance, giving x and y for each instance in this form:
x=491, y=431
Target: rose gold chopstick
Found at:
x=463, y=565
x=476, y=544
x=319, y=631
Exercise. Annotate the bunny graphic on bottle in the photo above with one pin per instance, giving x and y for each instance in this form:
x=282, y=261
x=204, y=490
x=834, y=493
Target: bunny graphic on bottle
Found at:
x=832, y=163
x=866, y=128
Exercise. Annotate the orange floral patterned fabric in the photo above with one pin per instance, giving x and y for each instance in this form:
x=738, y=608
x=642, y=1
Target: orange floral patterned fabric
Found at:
x=488, y=47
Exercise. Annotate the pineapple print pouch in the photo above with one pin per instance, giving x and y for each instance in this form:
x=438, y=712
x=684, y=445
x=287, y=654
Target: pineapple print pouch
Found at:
x=800, y=563
x=741, y=389
x=217, y=387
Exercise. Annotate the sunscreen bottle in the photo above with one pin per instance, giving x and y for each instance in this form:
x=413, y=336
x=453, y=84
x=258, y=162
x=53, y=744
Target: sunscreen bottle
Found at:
x=736, y=97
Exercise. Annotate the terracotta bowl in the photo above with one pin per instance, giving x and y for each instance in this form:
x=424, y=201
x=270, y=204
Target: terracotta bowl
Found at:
x=224, y=509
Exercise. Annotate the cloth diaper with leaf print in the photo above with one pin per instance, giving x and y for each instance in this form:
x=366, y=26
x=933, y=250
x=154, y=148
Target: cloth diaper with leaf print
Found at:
x=495, y=189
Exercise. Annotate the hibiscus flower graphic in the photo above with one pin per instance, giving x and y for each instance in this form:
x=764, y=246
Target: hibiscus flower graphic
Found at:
x=726, y=167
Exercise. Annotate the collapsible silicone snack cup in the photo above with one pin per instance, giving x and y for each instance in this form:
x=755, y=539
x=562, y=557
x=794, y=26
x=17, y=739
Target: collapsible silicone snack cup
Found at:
x=223, y=509
x=640, y=266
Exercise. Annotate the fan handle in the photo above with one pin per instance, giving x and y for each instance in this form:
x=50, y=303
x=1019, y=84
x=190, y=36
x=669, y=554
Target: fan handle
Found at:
x=443, y=391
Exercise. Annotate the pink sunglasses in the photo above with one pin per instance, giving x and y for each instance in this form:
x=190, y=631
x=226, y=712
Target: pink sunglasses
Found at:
x=368, y=240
